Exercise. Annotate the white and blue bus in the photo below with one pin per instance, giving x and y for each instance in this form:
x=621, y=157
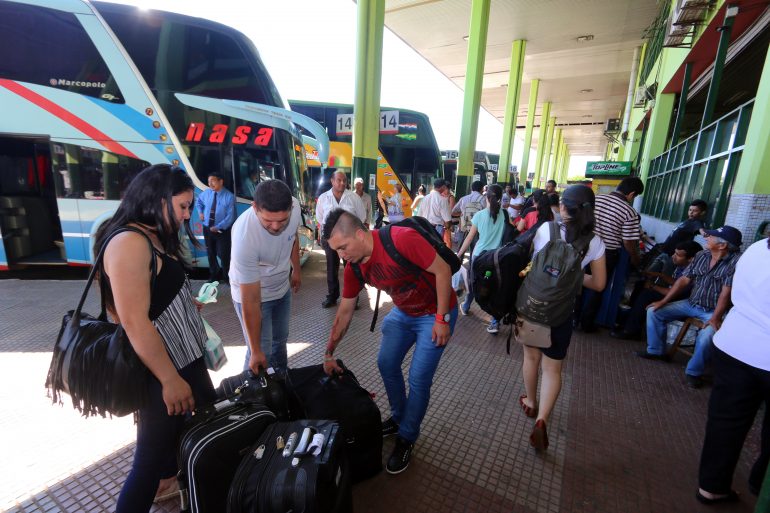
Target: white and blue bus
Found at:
x=92, y=93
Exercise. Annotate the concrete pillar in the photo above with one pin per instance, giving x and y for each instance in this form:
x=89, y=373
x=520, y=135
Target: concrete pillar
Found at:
x=749, y=204
x=474, y=76
x=511, y=108
x=544, y=116
x=533, y=88
x=366, y=109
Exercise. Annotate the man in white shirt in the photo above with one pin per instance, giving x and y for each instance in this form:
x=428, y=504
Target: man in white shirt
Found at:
x=358, y=186
x=263, y=272
x=435, y=206
x=395, y=205
x=517, y=204
x=336, y=197
x=467, y=207
x=741, y=365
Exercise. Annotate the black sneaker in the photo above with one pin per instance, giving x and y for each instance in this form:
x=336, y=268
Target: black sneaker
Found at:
x=329, y=302
x=649, y=356
x=399, y=458
x=389, y=427
x=693, y=381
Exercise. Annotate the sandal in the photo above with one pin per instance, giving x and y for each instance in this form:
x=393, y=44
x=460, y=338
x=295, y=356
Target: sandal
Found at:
x=539, y=437
x=730, y=497
x=529, y=411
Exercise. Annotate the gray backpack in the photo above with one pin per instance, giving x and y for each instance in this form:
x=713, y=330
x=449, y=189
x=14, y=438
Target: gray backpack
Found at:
x=548, y=293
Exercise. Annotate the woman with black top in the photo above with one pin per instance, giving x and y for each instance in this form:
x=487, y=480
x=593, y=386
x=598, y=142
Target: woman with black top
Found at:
x=162, y=322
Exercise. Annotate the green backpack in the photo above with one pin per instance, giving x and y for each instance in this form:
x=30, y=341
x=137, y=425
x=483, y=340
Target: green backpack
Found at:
x=548, y=293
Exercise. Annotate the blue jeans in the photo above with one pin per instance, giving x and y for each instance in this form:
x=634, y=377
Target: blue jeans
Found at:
x=399, y=333
x=275, y=331
x=157, y=439
x=679, y=311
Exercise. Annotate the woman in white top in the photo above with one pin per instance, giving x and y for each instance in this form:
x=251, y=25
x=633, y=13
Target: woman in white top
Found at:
x=417, y=200
x=577, y=212
x=741, y=363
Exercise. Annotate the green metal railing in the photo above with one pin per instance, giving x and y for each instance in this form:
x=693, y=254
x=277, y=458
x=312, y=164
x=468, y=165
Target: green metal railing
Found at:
x=701, y=167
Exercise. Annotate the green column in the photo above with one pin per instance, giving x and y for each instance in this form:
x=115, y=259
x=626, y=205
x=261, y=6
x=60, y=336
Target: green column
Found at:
x=111, y=176
x=549, y=171
x=557, y=150
x=541, y=141
x=657, y=131
x=474, y=76
x=366, y=109
x=511, y=107
x=682, y=104
x=719, y=65
x=753, y=176
x=565, y=167
x=533, y=87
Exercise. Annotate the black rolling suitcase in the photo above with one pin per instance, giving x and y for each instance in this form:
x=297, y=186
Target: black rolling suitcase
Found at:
x=314, y=395
x=296, y=467
x=211, y=449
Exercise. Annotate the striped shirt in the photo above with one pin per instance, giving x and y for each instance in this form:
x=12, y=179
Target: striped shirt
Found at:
x=616, y=220
x=709, y=282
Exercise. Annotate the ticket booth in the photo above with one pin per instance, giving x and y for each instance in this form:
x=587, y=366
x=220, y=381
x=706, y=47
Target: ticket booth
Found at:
x=607, y=175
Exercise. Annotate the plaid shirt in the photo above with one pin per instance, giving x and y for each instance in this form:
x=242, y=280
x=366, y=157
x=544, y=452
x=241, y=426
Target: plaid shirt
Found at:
x=709, y=282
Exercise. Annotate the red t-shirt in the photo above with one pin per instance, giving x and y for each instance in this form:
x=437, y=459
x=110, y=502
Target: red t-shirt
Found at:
x=414, y=297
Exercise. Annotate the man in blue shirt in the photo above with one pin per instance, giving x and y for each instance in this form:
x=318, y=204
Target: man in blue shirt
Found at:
x=216, y=207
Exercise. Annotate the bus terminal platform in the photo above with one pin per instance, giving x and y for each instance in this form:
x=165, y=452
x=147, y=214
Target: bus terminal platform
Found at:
x=625, y=436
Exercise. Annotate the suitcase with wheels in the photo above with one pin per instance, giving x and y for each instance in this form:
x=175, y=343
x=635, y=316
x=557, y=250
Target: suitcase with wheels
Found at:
x=212, y=447
x=314, y=395
x=294, y=466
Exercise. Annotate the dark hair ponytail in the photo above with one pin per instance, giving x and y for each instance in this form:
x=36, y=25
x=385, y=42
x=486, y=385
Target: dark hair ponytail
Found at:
x=494, y=197
x=544, y=212
x=581, y=221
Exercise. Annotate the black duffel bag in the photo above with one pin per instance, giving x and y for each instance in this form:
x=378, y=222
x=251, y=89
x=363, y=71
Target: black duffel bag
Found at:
x=267, y=388
x=93, y=360
x=314, y=395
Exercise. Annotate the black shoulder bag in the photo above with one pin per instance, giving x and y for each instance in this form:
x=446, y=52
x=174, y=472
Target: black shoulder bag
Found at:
x=93, y=360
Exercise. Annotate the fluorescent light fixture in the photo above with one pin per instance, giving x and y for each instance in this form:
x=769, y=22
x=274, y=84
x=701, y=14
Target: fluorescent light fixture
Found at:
x=586, y=38
x=586, y=91
x=732, y=11
x=465, y=38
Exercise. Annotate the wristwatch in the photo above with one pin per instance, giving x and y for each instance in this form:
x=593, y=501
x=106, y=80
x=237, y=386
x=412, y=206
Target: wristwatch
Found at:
x=443, y=318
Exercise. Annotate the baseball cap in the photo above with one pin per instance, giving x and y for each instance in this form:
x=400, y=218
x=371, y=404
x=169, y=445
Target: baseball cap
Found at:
x=728, y=233
x=358, y=180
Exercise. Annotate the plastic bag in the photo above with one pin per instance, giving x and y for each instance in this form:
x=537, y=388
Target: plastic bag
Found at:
x=213, y=349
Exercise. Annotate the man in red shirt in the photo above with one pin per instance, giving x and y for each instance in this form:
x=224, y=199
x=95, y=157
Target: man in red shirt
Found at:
x=423, y=315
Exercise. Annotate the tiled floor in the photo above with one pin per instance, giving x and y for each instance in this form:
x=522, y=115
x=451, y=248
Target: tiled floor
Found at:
x=625, y=435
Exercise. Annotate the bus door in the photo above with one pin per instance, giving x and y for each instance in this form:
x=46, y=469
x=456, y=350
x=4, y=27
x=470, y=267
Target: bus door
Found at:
x=29, y=216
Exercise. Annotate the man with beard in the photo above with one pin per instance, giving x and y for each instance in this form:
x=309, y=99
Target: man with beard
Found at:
x=264, y=267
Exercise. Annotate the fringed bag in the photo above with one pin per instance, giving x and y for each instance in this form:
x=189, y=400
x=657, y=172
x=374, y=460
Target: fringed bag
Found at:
x=93, y=360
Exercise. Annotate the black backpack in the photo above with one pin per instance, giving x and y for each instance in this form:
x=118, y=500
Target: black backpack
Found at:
x=429, y=233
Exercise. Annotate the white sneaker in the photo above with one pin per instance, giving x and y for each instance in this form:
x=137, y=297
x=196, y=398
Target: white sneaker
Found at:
x=463, y=310
x=493, y=327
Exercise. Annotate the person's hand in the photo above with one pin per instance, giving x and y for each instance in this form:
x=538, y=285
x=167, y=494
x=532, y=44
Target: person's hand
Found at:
x=440, y=334
x=656, y=305
x=177, y=395
x=715, y=322
x=198, y=304
x=648, y=284
x=331, y=367
x=201, y=216
x=296, y=280
x=214, y=230
x=257, y=360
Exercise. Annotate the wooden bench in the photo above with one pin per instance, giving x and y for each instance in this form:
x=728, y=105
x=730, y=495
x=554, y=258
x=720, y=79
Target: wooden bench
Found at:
x=677, y=345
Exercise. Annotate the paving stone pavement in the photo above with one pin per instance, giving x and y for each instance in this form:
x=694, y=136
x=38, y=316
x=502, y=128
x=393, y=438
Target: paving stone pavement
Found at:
x=625, y=434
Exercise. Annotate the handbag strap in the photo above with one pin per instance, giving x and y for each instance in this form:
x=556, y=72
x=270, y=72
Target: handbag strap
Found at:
x=98, y=264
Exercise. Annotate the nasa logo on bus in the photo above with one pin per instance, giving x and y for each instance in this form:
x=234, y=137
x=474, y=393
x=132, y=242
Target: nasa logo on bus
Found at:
x=218, y=133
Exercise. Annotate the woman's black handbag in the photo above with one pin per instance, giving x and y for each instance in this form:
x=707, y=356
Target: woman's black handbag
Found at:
x=93, y=360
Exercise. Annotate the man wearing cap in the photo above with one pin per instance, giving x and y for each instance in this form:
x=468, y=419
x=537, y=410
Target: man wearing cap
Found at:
x=366, y=200
x=711, y=273
x=216, y=208
x=339, y=196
